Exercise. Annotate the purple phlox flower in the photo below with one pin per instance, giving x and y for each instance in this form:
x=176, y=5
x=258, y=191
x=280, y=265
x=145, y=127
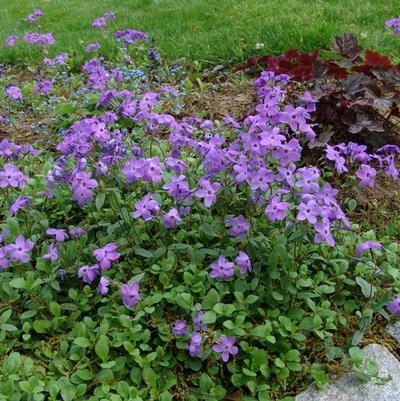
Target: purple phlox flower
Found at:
x=244, y=262
x=239, y=226
x=208, y=191
x=82, y=185
x=221, y=269
x=90, y=47
x=102, y=288
x=287, y=174
x=100, y=132
x=37, y=12
x=4, y=235
x=59, y=234
x=31, y=18
x=110, y=15
x=175, y=164
x=19, y=250
x=180, y=328
x=395, y=24
x=366, y=174
x=171, y=218
x=76, y=232
x=178, y=188
x=60, y=59
x=194, y=346
x=308, y=101
x=307, y=179
x=153, y=55
x=309, y=211
x=130, y=35
x=52, y=253
x=231, y=122
x=99, y=23
x=294, y=117
x=368, y=245
x=13, y=92
x=62, y=273
x=393, y=306
x=226, y=347
x=10, y=40
x=146, y=208
x=153, y=171
x=241, y=169
x=130, y=294
x=107, y=255
x=44, y=87
x=198, y=323
x=18, y=204
x=276, y=209
x=323, y=233
x=4, y=262
x=289, y=152
x=88, y=273
x=9, y=149
x=134, y=170
x=11, y=176
x=261, y=179
x=272, y=138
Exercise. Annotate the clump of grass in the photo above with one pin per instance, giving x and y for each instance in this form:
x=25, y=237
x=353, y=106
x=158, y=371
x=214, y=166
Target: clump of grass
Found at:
x=223, y=31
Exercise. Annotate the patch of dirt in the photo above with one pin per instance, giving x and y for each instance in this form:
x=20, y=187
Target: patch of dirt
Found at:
x=20, y=134
x=238, y=99
x=376, y=208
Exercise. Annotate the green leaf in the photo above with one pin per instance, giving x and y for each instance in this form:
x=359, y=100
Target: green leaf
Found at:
x=205, y=383
x=8, y=327
x=367, y=289
x=68, y=392
x=17, y=283
x=41, y=326
x=143, y=252
x=102, y=348
x=209, y=317
x=184, y=300
x=82, y=342
x=64, y=108
x=100, y=198
x=149, y=377
x=248, y=372
x=55, y=308
x=85, y=374
x=211, y=299
x=357, y=355
x=11, y=362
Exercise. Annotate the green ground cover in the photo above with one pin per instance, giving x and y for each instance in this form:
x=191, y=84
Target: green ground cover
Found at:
x=223, y=31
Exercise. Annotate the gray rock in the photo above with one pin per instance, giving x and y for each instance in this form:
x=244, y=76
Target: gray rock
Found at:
x=394, y=330
x=349, y=388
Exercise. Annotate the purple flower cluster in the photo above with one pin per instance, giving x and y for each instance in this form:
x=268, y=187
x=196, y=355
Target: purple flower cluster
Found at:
x=10, y=176
x=90, y=47
x=101, y=22
x=44, y=87
x=13, y=92
x=344, y=155
x=17, y=252
x=10, y=40
x=128, y=36
x=31, y=18
x=393, y=23
x=40, y=39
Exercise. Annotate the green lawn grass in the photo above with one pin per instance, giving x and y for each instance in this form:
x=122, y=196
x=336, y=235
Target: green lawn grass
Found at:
x=219, y=31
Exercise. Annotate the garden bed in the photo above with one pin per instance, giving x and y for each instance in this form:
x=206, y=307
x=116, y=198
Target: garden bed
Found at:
x=164, y=235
